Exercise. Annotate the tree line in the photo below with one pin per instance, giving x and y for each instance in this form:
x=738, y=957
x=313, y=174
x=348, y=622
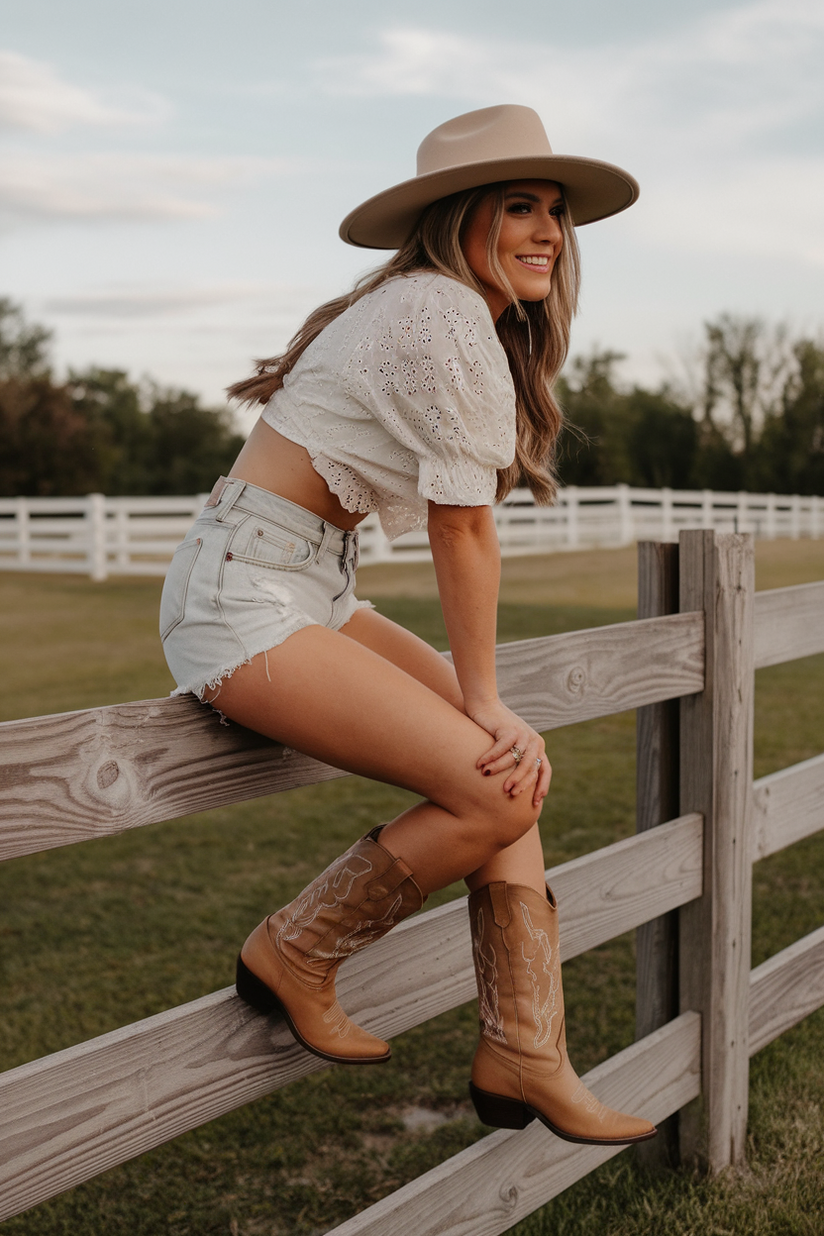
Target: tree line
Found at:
x=748, y=415
x=98, y=431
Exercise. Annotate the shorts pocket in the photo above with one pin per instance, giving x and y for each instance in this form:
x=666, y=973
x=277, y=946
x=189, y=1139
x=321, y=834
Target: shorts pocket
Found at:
x=176, y=586
x=266, y=544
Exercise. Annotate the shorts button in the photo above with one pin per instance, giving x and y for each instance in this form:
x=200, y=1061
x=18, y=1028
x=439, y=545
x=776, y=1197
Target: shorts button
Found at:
x=229, y=556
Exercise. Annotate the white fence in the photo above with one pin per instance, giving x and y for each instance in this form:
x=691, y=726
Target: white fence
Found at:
x=101, y=536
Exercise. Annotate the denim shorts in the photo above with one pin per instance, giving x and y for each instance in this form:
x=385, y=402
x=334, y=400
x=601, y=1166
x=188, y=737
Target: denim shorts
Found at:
x=253, y=570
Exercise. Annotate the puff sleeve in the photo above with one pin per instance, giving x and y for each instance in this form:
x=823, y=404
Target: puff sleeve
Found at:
x=432, y=371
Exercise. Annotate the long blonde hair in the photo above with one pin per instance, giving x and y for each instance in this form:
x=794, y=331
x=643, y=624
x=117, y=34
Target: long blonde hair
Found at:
x=534, y=334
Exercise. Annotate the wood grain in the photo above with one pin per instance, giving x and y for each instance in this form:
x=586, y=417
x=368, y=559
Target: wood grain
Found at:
x=786, y=989
x=74, y=776
x=717, y=575
x=76, y=1113
x=788, y=806
x=789, y=623
x=501, y=1179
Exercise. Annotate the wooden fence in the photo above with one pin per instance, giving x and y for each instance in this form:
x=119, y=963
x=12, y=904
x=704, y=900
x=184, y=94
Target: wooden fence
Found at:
x=686, y=881
x=101, y=536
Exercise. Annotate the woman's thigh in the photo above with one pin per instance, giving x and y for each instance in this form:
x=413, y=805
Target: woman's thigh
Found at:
x=410, y=653
x=332, y=697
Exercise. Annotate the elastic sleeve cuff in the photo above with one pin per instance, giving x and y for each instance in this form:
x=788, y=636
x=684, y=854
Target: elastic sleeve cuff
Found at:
x=458, y=482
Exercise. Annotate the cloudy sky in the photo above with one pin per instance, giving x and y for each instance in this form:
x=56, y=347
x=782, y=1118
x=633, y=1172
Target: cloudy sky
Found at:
x=172, y=174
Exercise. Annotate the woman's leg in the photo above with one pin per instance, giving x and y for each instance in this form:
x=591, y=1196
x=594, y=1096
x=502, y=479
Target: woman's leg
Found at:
x=330, y=695
x=525, y=991
x=522, y=862
x=335, y=698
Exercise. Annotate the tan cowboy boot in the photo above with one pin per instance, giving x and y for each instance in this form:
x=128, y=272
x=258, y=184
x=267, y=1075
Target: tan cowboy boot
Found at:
x=290, y=960
x=521, y=1068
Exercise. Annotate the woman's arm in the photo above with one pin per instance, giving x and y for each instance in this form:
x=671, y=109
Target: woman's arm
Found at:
x=467, y=558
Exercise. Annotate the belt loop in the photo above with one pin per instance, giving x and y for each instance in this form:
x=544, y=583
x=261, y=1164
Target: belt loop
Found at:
x=328, y=531
x=217, y=489
x=225, y=503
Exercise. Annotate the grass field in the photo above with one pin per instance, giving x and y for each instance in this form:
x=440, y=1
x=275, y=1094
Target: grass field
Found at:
x=98, y=935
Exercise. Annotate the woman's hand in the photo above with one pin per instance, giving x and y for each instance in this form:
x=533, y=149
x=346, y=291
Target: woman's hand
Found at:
x=532, y=771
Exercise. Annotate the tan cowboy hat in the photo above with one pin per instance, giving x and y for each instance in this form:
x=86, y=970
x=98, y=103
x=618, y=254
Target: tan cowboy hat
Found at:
x=496, y=143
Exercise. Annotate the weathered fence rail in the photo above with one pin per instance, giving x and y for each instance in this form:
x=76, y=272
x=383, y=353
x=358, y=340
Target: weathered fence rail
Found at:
x=100, y=536
x=71, y=1115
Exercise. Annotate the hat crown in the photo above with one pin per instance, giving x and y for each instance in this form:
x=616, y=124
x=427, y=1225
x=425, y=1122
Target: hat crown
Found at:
x=508, y=131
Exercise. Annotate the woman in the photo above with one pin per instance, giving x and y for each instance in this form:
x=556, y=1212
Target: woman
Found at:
x=424, y=394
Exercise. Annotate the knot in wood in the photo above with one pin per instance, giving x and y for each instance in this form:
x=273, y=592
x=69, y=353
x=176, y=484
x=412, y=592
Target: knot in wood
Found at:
x=110, y=784
x=508, y=1194
x=107, y=774
x=576, y=680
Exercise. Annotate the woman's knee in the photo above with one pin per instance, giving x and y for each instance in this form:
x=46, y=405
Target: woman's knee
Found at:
x=507, y=819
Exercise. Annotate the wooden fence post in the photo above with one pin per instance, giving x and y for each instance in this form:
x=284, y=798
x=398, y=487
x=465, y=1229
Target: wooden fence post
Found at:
x=657, y=800
x=96, y=536
x=625, y=520
x=717, y=575
x=570, y=500
x=23, y=531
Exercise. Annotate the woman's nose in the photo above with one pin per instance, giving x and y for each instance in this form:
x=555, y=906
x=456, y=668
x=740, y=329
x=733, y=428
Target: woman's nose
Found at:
x=549, y=229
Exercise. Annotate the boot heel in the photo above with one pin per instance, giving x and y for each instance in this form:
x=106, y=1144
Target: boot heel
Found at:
x=498, y=1112
x=255, y=992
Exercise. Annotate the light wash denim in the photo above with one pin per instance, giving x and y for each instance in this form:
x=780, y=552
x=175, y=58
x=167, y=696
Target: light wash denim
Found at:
x=253, y=570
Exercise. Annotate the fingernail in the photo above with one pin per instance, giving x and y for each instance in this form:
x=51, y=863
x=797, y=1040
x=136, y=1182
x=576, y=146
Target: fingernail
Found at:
x=487, y=772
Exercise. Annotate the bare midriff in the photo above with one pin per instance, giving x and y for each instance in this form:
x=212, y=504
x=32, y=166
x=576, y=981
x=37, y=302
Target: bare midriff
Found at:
x=273, y=462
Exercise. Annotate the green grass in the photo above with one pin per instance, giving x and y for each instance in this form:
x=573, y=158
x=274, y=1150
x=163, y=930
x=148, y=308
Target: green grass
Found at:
x=98, y=935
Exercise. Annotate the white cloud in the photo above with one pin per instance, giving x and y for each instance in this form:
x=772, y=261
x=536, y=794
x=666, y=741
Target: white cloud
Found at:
x=151, y=302
x=126, y=301
x=728, y=76
x=94, y=187
x=34, y=98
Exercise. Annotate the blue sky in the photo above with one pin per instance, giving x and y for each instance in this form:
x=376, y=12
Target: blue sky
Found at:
x=172, y=175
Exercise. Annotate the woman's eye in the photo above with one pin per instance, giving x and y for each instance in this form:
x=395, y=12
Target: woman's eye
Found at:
x=558, y=210
x=519, y=208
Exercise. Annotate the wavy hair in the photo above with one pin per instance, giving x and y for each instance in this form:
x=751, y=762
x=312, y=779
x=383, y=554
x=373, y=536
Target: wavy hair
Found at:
x=534, y=334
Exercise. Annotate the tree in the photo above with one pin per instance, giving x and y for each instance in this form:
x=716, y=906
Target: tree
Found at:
x=191, y=446
x=745, y=368
x=23, y=348
x=791, y=450
x=99, y=431
x=44, y=438
x=638, y=437
x=47, y=445
x=592, y=447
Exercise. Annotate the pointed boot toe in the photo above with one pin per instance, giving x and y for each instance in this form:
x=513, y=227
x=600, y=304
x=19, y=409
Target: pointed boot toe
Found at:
x=311, y=1012
x=289, y=962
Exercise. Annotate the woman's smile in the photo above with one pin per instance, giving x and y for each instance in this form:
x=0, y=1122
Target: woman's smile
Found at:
x=528, y=245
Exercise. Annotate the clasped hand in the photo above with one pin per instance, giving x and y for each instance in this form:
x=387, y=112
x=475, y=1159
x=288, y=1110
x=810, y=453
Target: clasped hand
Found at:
x=509, y=731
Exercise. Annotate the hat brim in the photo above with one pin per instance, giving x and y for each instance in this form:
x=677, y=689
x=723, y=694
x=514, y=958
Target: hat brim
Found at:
x=593, y=190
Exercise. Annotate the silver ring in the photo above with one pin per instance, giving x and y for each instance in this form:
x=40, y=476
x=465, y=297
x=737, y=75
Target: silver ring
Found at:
x=518, y=753
x=538, y=762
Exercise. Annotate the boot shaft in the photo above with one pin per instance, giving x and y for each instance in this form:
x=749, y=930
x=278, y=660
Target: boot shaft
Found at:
x=357, y=899
x=518, y=970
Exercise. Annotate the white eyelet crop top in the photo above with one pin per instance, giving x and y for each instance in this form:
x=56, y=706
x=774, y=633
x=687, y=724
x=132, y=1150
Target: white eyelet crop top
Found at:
x=406, y=397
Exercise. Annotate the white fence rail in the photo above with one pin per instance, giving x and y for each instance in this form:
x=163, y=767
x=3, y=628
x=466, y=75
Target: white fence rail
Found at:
x=101, y=536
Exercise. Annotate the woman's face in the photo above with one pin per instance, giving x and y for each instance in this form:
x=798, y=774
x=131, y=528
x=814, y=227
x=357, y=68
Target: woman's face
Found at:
x=528, y=245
